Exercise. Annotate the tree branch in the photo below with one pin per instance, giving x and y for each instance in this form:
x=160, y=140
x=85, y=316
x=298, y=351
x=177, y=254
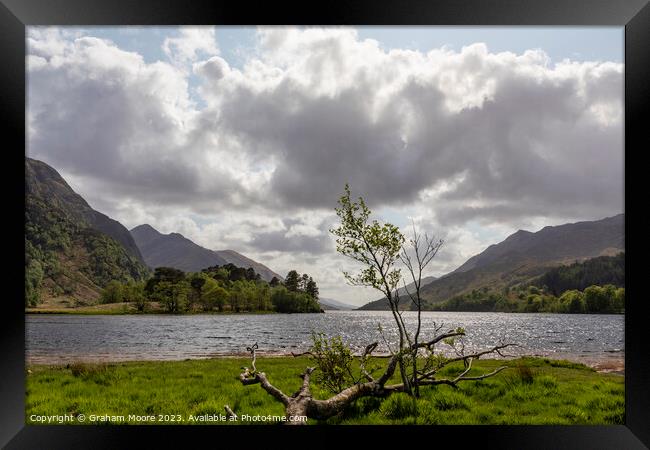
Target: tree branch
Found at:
x=247, y=377
x=362, y=363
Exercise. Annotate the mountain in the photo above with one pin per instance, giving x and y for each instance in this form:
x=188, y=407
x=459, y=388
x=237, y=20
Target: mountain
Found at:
x=44, y=182
x=71, y=250
x=175, y=250
x=405, y=301
x=563, y=243
x=525, y=255
x=329, y=304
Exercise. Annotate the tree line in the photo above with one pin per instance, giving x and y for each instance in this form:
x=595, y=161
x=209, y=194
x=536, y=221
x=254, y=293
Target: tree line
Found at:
x=601, y=271
x=607, y=299
x=217, y=288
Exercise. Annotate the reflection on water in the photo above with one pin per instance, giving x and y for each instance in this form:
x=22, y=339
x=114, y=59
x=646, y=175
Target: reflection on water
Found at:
x=64, y=338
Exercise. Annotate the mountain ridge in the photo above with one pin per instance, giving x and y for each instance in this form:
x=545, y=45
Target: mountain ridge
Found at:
x=45, y=182
x=175, y=250
x=331, y=304
x=524, y=255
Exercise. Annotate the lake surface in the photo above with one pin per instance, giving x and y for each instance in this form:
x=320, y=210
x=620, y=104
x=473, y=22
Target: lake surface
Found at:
x=54, y=339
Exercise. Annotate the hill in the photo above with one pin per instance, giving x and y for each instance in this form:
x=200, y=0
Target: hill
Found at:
x=405, y=303
x=177, y=251
x=71, y=250
x=329, y=304
x=44, y=182
x=525, y=255
x=602, y=270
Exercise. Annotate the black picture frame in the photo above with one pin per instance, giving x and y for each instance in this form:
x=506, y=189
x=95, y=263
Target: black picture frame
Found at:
x=16, y=14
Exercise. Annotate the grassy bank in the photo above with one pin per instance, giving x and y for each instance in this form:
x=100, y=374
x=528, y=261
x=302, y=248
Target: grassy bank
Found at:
x=532, y=391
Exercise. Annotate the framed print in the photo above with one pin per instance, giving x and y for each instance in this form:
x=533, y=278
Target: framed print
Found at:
x=377, y=218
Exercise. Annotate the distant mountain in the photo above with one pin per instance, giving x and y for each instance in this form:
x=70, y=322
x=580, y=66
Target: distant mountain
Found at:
x=405, y=301
x=524, y=255
x=562, y=243
x=71, y=250
x=175, y=250
x=329, y=304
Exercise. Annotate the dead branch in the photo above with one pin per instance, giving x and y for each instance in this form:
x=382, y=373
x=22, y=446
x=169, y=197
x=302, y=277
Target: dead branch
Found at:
x=229, y=412
x=362, y=363
x=247, y=377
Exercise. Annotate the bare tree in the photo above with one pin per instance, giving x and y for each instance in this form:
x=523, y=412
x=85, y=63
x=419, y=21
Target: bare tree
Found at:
x=379, y=247
x=416, y=257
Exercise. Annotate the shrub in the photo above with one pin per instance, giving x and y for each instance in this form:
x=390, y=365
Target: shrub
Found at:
x=333, y=360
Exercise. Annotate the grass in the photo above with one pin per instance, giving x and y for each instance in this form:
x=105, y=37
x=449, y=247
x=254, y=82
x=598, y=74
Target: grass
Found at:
x=531, y=391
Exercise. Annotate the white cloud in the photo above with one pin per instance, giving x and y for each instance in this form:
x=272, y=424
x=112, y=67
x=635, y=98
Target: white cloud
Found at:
x=190, y=44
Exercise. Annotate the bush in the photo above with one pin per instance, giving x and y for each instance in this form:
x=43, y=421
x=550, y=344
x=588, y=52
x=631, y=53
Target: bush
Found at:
x=333, y=359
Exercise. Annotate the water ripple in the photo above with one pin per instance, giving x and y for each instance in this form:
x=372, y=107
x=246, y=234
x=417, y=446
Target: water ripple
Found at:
x=54, y=339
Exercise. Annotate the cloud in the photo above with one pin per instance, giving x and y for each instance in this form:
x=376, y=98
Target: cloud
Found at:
x=333, y=109
x=190, y=44
x=125, y=126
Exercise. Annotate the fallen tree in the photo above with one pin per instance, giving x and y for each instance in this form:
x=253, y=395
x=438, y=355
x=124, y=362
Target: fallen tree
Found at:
x=302, y=402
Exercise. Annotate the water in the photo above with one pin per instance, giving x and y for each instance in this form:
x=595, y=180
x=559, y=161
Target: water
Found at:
x=54, y=339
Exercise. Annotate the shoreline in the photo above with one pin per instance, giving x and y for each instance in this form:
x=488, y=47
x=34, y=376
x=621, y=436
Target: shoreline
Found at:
x=93, y=310
x=600, y=365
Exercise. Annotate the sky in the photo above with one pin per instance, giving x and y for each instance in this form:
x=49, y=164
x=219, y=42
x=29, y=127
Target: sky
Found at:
x=243, y=137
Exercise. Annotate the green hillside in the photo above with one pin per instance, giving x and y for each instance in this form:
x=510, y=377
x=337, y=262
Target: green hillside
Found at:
x=602, y=270
x=66, y=257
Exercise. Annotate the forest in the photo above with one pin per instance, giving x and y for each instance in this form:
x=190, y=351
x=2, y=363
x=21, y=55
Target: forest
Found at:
x=224, y=288
x=594, y=299
x=602, y=270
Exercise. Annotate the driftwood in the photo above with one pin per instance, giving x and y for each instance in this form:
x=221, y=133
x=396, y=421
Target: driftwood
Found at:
x=302, y=402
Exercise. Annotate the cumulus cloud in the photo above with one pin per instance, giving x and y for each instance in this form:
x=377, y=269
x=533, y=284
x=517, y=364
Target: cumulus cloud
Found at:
x=190, y=44
x=333, y=109
x=498, y=140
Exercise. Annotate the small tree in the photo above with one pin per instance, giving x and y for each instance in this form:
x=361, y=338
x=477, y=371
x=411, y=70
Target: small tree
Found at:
x=378, y=247
x=196, y=282
x=112, y=293
x=173, y=297
x=134, y=292
x=213, y=296
x=312, y=288
x=292, y=281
